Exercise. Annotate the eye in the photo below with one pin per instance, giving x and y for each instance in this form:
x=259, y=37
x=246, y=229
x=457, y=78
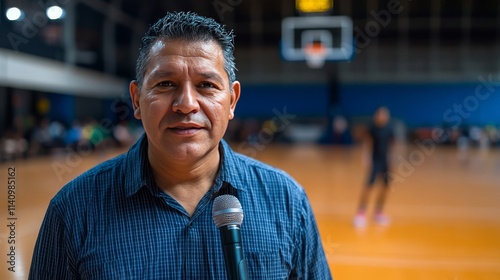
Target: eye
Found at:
x=207, y=85
x=165, y=84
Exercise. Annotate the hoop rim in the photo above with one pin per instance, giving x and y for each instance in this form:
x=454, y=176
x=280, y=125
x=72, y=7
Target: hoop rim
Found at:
x=315, y=54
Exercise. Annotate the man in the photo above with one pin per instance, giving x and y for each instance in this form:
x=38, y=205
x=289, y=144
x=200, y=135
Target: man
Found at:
x=380, y=135
x=147, y=214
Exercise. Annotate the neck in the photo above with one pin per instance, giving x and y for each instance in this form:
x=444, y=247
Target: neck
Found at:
x=186, y=182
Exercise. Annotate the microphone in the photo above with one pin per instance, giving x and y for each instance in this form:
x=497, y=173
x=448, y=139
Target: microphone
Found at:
x=228, y=215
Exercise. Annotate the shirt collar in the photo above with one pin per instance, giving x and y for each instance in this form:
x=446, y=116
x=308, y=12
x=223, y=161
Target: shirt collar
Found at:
x=138, y=172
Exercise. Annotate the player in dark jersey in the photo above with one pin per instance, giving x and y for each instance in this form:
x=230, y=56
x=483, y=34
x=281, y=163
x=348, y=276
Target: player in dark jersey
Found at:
x=379, y=137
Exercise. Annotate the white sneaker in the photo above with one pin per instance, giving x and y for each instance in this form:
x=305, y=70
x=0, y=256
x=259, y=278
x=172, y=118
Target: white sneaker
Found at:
x=360, y=220
x=382, y=219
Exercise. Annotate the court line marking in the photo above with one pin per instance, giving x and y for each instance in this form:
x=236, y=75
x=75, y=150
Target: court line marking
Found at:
x=417, y=211
x=462, y=264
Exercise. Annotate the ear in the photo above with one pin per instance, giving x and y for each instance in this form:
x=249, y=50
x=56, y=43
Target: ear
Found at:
x=135, y=94
x=235, y=95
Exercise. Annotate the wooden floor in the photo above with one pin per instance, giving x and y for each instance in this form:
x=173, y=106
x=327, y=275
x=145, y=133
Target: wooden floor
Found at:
x=444, y=206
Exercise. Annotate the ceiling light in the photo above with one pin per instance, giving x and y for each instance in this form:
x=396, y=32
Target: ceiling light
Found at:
x=14, y=14
x=55, y=12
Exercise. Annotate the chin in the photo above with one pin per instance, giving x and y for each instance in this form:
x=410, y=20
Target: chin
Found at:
x=189, y=151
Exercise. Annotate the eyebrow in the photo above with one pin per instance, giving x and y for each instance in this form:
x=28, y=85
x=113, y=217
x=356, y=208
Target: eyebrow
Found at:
x=210, y=75
x=161, y=73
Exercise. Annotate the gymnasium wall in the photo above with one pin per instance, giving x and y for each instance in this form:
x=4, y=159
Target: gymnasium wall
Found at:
x=415, y=104
x=427, y=105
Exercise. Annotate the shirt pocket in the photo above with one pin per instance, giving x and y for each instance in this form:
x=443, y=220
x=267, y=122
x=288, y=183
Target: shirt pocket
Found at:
x=266, y=265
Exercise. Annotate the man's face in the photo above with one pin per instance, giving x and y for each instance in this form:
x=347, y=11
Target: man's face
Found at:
x=185, y=101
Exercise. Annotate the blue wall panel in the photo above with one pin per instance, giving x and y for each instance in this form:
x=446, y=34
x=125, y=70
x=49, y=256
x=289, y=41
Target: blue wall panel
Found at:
x=262, y=101
x=62, y=108
x=422, y=105
x=415, y=104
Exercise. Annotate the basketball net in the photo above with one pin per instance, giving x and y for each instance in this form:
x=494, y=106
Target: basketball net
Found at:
x=315, y=53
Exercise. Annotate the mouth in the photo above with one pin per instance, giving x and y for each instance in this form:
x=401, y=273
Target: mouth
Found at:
x=185, y=129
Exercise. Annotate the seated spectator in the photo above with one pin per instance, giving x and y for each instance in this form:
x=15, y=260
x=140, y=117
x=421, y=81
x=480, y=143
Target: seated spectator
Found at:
x=13, y=146
x=57, y=133
x=123, y=135
x=338, y=133
x=74, y=135
x=341, y=133
x=42, y=142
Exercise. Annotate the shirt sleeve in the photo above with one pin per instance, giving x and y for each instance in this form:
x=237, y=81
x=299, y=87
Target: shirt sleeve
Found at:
x=50, y=259
x=311, y=261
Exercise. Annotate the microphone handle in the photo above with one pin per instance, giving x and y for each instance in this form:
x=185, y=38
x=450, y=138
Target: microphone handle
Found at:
x=236, y=265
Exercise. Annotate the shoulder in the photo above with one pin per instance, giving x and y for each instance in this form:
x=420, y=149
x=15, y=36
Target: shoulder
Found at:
x=264, y=170
x=263, y=179
x=79, y=191
x=268, y=187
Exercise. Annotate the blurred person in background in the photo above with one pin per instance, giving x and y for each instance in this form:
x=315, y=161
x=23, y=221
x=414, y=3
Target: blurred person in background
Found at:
x=57, y=133
x=337, y=133
x=123, y=134
x=493, y=134
x=147, y=214
x=463, y=141
x=13, y=146
x=42, y=142
x=96, y=135
x=376, y=148
x=89, y=132
x=74, y=135
x=341, y=132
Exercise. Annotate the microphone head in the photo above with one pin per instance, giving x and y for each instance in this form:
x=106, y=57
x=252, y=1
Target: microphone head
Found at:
x=227, y=211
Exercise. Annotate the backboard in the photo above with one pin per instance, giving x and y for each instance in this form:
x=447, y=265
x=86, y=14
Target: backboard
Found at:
x=334, y=33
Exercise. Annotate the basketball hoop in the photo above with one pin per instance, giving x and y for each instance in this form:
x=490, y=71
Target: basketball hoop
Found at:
x=316, y=39
x=315, y=53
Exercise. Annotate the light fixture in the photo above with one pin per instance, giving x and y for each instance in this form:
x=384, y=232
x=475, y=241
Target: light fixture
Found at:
x=55, y=12
x=14, y=13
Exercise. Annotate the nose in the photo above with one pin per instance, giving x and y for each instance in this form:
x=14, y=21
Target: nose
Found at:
x=185, y=101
